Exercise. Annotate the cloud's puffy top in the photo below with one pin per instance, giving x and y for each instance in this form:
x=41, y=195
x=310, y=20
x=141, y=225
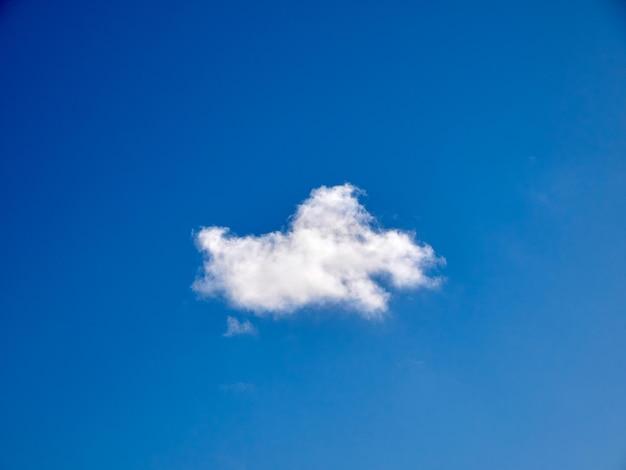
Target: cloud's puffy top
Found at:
x=332, y=253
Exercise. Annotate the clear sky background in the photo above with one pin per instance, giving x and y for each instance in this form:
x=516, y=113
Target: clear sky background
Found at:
x=494, y=130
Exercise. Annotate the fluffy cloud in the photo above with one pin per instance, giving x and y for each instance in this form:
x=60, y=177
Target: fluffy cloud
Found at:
x=332, y=253
x=235, y=327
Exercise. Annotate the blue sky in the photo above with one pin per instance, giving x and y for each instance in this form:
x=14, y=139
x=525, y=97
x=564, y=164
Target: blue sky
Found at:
x=494, y=131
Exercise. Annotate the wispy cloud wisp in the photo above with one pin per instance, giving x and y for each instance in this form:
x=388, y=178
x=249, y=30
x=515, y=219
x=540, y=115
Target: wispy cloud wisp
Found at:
x=239, y=387
x=235, y=327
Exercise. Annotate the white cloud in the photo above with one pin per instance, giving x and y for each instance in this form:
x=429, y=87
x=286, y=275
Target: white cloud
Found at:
x=235, y=327
x=332, y=253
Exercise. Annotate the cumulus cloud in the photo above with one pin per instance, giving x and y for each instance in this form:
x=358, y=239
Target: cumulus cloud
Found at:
x=235, y=327
x=333, y=252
